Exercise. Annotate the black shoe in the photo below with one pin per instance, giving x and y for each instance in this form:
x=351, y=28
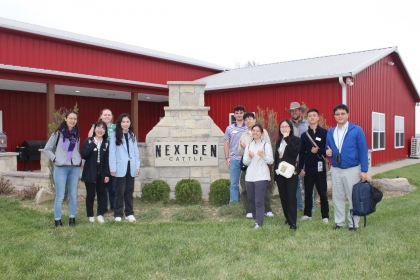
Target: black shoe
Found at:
x=293, y=227
x=72, y=222
x=352, y=228
x=58, y=223
x=337, y=227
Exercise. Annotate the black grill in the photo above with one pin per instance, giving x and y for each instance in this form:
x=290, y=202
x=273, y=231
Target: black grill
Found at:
x=29, y=151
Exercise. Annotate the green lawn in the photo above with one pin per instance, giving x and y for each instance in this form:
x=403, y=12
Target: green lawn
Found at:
x=388, y=248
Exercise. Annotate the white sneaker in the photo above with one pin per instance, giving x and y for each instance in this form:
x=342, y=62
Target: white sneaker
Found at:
x=118, y=219
x=130, y=218
x=91, y=219
x=269, y=214
x=325, y=220
x=256, y=226
x=249, y=215
x=100, y=219
x=305, y=218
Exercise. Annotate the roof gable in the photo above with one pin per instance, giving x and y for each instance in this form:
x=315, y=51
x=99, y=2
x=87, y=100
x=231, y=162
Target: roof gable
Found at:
x=297, y=70
x=79, y=38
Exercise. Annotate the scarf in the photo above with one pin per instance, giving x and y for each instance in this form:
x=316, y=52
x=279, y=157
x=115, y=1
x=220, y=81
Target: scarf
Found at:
x=69, y=136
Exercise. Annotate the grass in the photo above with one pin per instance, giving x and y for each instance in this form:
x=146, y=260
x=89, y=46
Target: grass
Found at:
x=216, y=247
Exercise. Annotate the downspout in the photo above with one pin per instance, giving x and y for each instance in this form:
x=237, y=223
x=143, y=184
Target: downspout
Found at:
x=343, y=90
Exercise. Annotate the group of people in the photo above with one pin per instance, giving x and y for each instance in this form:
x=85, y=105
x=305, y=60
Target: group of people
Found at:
x=303, y=144
x=111, y=162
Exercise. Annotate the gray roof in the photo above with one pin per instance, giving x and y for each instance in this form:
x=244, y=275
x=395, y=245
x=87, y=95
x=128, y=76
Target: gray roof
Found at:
x=317, y=68
x=70, y=36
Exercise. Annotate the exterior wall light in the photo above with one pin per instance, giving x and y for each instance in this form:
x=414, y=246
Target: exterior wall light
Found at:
x=3, y=142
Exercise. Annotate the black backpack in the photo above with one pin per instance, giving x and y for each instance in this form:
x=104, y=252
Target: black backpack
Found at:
x=364, y=197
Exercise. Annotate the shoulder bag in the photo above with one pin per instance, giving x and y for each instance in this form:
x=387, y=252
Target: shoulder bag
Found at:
x=326, y=161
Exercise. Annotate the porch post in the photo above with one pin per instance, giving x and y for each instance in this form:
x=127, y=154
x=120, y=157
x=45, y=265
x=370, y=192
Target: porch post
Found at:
x=50, y=105
x=135, y=112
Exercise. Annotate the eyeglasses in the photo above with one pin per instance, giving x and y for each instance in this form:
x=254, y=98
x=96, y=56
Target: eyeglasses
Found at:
x=284, y=126
x=340, y=114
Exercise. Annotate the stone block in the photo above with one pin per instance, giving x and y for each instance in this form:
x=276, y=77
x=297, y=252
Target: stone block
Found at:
x=159, y=132
x=167, y=121
x=200, y=133
x=190, y=124
x=174, y=91
x=180, y=133
x=174, y=172
x=196, y=172
x=44, y=195
x=397, y=184
x=184, y=115
x=207, y=171
x=205, y=189
x=149, y=173
x=203, y=124
x=186, y=89
x=188, y=99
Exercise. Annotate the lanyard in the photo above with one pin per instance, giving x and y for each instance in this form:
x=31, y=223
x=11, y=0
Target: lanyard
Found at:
x=340, y=145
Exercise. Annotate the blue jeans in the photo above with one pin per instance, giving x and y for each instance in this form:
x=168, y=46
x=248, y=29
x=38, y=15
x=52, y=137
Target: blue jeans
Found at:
x=235, y=172
x=65, y=175
x=299, y=196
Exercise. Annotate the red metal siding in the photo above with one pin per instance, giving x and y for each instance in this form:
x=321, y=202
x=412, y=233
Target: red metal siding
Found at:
x=34, y=51
x=24, y=115
x=321, y=95
x=380, y=88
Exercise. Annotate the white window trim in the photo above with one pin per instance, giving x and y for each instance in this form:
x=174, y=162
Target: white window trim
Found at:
x=232, y=117
x=384, y=131
x=395, y=131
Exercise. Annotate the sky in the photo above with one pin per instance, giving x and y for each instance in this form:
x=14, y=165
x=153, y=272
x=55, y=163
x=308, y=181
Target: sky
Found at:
x=232, y=32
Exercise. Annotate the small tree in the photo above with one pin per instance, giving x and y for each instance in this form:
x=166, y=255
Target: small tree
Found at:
x=58, y=119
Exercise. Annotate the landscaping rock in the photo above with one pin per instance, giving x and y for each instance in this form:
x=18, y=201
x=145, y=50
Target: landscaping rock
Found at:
x=397, y=184
x=43, y=195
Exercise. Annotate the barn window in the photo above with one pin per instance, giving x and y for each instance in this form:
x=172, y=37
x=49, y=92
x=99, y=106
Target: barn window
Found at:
x=399, y=132
x=232, y=118
x=378, y=131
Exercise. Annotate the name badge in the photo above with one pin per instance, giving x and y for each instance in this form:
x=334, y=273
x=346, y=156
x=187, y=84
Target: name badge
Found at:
x=234, y=131
x=320, y=166
x=318, y=139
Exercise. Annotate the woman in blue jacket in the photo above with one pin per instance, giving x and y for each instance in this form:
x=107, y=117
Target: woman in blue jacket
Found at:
x=124, y=164
x=95, y=152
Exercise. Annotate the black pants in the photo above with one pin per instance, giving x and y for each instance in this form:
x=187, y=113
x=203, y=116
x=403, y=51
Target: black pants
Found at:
x=287, y=190
x=91, y=189
x=312, y=176
x=124, y=194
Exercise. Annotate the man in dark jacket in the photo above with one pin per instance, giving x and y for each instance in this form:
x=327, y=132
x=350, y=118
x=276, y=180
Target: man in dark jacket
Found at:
x=347, y=147
x=311, y=163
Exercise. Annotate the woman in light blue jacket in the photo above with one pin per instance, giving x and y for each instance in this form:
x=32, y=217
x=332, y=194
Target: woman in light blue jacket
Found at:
x=124, y=164
x=256, y=156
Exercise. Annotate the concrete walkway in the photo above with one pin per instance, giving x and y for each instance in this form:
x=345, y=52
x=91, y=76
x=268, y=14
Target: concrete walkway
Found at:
x=392, y=165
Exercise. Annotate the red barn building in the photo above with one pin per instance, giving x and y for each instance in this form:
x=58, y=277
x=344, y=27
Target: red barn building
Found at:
x=374, y=84
x=43, y=69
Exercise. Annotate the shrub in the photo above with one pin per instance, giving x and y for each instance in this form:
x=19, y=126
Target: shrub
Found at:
x=188, y=191
x=30, y=193
x=219, y=192
x=6, y=187
x=189, y=214
x=155, y=191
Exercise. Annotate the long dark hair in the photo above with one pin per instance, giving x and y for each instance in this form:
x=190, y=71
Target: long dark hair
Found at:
x=119, y=131
x=281, y=135
x=63, y=125
x=98, y=123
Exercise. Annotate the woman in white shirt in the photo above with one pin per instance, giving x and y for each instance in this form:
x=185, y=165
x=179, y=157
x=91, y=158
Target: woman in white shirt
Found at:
x=256, y=156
